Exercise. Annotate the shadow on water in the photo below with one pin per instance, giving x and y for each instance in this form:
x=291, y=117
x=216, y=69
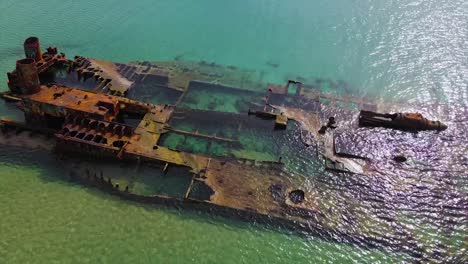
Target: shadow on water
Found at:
x=53, y=169
x=59, y=171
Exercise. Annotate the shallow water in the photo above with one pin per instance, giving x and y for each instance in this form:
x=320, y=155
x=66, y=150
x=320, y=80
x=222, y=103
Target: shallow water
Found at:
x=409, y=51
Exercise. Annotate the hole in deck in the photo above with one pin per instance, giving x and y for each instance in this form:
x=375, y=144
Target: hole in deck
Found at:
x=97, y=138
x=201, y=191
x=297, y=196
x=119, y=143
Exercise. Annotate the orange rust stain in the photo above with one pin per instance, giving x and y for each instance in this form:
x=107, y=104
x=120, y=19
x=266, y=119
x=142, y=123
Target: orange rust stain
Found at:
x=75, y=99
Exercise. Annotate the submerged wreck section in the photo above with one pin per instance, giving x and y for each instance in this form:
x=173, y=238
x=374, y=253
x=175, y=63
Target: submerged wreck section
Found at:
x=233, y=154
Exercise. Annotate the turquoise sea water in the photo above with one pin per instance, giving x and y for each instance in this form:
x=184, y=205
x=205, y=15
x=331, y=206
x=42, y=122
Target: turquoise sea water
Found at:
x=411, y=51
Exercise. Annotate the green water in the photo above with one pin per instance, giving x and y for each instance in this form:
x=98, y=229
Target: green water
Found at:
x=47, y=219
x=407, y=50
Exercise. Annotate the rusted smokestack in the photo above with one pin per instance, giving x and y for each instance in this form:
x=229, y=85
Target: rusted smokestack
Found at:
x=32, y=49
x=27, y=76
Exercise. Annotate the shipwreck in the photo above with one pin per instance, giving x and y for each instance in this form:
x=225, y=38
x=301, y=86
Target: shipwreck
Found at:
x=107, y=111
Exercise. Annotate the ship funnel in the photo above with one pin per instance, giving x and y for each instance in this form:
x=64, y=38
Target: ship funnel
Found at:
x=27, y=76
x=32, y=49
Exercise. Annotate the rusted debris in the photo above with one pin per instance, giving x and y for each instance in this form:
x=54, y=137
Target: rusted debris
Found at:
x=403, y=121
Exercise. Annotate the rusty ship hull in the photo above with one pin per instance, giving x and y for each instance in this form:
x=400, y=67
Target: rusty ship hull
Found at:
x=108, y=111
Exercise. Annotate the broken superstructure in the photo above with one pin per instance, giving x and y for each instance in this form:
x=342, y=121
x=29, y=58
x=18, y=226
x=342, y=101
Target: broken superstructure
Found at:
x=135, y=112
